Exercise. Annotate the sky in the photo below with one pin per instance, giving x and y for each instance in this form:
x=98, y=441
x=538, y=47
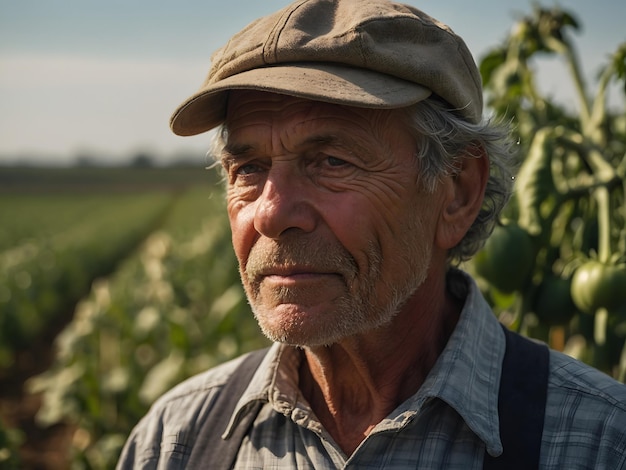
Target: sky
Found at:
x=95, y=78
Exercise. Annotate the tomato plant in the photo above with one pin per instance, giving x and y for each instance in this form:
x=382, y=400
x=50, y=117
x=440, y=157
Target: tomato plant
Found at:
x=552, y=302
x=569, y=196
x=506, y=259
x=597, y=285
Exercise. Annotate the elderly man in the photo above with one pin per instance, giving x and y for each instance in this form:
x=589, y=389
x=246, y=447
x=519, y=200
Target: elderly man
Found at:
x=359, y=170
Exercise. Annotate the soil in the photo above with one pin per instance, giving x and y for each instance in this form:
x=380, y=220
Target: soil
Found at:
x=41, y=448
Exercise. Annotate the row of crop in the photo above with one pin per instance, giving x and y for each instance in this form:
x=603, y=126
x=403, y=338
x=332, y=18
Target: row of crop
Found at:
x=33, y=217
x=173, y=309
x=63, y=244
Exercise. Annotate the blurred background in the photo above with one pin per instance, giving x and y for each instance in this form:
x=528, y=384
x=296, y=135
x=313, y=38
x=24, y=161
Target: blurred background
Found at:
x=117, y=278
x=85, y=79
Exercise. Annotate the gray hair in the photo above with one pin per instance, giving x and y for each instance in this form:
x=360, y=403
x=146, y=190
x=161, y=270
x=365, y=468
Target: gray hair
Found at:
x=442, y=139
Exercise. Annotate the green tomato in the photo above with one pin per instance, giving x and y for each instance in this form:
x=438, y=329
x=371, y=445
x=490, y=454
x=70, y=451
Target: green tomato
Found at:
x=507, y=258
x=553, y=303
x=597, y=285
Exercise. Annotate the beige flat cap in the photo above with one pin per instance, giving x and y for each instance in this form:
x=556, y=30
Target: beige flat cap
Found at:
x=362, y=53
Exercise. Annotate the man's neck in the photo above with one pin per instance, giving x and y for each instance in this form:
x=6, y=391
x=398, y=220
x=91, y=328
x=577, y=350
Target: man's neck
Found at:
x=354, y=384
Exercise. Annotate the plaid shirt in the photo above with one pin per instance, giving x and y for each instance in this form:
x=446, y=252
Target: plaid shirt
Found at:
x=447, y=424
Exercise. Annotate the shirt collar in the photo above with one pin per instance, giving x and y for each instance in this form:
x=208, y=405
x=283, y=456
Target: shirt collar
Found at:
x=273, y=379
x=466, y=376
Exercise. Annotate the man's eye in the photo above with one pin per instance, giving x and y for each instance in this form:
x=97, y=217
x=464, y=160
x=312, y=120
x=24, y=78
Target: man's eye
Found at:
x=334, y=161
x=247, y=169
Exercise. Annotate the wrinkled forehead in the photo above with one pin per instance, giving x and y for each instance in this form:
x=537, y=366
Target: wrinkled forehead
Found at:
x=250, y=113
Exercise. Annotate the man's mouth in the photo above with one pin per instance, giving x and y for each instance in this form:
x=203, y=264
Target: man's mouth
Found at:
x=293, y=275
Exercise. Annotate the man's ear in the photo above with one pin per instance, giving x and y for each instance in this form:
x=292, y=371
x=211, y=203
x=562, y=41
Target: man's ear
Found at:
x=464, y=194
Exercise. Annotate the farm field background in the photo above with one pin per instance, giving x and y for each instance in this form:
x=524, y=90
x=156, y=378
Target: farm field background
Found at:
x=115, y=284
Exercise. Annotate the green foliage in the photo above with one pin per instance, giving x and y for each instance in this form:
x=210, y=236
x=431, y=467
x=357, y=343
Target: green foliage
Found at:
x=54, y=246
x=173, y=309
x=569, y=196
x=9, y=441
x=507, y=258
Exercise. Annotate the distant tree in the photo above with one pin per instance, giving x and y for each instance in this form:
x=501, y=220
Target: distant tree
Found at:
x=142, y=160
x=85, y=161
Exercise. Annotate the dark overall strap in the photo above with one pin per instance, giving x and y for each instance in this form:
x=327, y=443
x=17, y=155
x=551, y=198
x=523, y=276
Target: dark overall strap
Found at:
x=521, y=404
x=210, y=450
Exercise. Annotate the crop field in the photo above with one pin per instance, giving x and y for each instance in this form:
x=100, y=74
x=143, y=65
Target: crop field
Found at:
x=115, y=284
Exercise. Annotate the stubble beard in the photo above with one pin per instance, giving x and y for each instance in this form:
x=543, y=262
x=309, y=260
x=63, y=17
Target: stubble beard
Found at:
x=368, y=302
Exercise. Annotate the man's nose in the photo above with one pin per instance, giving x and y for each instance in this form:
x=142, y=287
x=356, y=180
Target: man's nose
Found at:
x=283, y=205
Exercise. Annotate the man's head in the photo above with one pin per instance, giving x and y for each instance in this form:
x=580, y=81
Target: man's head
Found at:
x=357, y=162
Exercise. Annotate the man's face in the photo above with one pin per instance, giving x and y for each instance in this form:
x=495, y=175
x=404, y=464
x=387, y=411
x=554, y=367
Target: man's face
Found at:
x=331, y=229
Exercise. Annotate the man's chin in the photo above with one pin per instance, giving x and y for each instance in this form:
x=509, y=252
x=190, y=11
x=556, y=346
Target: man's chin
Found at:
x=317, y=326
x=297, y=325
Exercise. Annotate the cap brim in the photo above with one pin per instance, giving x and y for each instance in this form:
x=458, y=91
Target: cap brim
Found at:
x=322, y=82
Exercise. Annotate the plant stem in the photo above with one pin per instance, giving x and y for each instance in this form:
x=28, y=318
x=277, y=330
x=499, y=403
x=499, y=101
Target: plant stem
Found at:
x=602, y=197
x=567, y=51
